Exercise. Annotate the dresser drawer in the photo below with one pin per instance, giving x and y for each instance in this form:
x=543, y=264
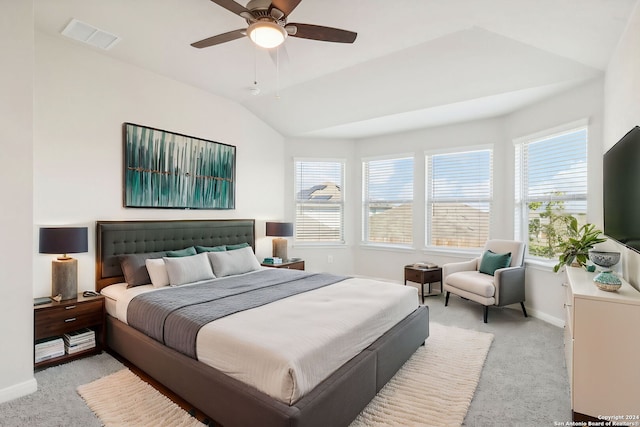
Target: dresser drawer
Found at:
x=61, y=319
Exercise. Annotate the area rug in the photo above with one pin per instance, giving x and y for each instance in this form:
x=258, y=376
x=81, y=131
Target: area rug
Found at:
x=433, y=388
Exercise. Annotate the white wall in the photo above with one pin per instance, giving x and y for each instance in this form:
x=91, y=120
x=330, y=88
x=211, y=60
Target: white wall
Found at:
x=622, y=110
x=16, y=213
x=544, y=293
x=82, y=98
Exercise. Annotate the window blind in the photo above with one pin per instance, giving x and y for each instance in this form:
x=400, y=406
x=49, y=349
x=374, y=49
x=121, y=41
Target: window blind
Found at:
x=551, y=188
x=459, y=198
x=388, y=200
x=319, y=199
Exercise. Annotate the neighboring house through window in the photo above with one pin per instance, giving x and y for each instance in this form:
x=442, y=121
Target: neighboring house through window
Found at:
x=388, y=200
x=458, y=198
x=319, y=196
x=551, y=186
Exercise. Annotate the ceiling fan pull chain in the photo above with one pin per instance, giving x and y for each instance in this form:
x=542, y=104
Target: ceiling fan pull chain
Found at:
x=278, y=73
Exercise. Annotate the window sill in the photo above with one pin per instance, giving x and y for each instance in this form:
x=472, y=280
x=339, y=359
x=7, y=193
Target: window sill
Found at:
x=385, y=247
x=540, y=264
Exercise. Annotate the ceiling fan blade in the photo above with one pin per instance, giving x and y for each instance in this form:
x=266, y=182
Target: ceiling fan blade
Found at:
x=234, y=7
x=220, y=38
x=325, y=34
x=285, y=6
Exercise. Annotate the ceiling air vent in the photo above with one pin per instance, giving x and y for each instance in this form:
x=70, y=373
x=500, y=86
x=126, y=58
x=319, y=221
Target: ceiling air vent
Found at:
x=90, y=35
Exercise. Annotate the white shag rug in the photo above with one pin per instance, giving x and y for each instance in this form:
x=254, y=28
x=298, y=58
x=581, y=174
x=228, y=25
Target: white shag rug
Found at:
x=433, y=388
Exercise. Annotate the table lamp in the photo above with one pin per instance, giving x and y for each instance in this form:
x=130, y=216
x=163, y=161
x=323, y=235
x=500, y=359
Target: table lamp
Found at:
x=64, y=269
x=280, y=229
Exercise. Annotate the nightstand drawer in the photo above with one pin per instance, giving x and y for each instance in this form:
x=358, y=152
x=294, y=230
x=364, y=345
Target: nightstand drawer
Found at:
x=62, y=319
x=423, y=276
x=413, y=275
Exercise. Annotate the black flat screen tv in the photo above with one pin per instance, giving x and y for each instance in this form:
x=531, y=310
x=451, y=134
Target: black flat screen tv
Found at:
x=621, y=184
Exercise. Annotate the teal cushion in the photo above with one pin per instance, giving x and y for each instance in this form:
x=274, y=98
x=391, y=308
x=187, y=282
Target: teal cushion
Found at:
x=201, y=249
x=182, y=252
x=492, y=261
x=238, y=246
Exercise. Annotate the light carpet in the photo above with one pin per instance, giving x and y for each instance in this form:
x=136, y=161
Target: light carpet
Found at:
x=434, y=388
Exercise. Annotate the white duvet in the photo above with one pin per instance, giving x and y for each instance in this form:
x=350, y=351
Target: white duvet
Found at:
x=287, y=347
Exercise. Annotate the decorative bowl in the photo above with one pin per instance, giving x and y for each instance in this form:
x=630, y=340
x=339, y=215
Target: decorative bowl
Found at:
x=604, y=258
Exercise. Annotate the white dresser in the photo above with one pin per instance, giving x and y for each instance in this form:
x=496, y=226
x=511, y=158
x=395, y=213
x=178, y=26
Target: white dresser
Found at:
x=602, y=347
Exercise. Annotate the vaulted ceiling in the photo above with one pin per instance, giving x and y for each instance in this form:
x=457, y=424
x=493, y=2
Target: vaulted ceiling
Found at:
x=415, y=63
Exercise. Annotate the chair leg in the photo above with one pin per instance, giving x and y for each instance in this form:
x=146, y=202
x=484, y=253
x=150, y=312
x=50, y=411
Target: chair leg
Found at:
x=486, y=313
x=446, y=299
x=523, y=309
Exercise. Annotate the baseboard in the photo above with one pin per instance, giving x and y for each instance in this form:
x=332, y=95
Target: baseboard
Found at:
x=18, y=390
x=546, y=317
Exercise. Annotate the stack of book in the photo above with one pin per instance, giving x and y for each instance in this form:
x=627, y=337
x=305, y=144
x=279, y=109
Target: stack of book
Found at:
x=82, y=339
x=46, y=350
x=272, y=260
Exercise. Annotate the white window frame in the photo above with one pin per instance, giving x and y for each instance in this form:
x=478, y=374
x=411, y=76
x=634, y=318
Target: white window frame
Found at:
x=430, y=200
x=297, y=202
x=366, y=203
x=521, y=226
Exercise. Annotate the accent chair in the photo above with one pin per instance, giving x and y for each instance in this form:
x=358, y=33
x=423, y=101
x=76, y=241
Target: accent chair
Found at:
x=495, y=278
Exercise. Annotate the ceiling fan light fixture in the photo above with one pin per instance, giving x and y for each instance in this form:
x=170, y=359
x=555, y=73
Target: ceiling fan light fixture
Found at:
x=266, y=34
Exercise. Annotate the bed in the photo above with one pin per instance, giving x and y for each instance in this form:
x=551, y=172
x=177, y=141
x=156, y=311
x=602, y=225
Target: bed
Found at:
x=335, y=400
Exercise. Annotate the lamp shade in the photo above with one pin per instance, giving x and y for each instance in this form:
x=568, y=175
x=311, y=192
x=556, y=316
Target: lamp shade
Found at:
x=266, y=34
x=279, y=229
x=63, y=240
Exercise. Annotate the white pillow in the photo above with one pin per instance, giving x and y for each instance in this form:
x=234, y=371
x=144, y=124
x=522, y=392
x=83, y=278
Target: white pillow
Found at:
x=237, y=261
x=157, y=272
x=188, y=269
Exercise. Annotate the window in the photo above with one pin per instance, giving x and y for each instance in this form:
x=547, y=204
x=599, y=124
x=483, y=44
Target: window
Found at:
x=551, y=188
x=459, y=196
x=388, y=201
x=319, y=186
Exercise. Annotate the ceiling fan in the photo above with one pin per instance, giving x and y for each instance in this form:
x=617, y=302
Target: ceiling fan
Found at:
x=268, y=26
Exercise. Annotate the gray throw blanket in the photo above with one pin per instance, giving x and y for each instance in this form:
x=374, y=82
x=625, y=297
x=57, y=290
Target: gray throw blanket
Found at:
x=174, y=316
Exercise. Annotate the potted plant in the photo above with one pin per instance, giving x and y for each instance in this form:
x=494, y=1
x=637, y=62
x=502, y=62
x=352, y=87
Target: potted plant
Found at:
x=576, y=248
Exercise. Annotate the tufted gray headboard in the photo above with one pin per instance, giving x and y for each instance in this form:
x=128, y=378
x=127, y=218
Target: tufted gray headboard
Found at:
x=114, y=238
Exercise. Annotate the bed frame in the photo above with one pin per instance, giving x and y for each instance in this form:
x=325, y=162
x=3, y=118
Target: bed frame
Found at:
x=335, y=402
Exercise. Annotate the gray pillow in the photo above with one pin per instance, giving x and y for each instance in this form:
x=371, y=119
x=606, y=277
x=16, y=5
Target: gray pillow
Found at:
x=134, y=268
x=236, y=261
x=188, y=269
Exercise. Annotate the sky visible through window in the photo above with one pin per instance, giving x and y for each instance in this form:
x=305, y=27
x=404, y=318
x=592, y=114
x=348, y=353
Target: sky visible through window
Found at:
x=394, y=185
x=558, y=166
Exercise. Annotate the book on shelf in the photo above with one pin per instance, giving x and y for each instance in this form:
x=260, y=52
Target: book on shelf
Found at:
x=79, y=336
x=71, y=349
x=272, y=260
x=48, y=349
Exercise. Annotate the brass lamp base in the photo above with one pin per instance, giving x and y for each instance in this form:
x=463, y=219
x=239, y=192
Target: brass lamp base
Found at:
x=280, y=248
x=64, y=278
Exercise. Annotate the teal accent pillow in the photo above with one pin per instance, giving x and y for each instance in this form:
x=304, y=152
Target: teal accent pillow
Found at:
x=182, y=252
x=201, y=249
x=238, y=246
x=492, y=261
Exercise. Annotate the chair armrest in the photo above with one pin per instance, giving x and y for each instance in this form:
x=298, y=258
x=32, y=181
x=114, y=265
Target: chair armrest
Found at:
x=509, y=285
x=454, y=267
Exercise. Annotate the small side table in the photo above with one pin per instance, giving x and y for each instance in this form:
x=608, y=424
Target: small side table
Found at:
x=54, y=319
x=287, y=263
x=423, y=276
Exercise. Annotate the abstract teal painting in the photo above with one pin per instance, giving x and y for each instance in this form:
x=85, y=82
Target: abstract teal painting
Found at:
x=169, y=170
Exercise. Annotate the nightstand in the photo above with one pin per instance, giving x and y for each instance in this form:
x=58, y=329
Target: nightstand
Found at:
x=54, y=319
x=287, y=263
x=423, y=275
